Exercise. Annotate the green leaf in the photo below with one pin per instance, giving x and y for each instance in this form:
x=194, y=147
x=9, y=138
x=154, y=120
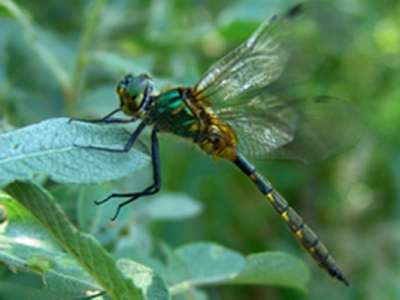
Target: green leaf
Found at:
x=172, y=206
x=48, y=147
x=82, y=247
x=273, y=268
x=153, y=285
x=209, y=262
x=175, y=270
x=26, y=245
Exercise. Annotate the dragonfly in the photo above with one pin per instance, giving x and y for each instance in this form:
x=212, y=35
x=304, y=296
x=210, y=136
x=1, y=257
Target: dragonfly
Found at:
x=238, y=109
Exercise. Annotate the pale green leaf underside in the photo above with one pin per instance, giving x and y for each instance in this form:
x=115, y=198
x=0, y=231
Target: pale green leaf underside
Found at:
x=82, y=247
x=173, y=206
x=152, y=284
x=206, y=263
x=209, y=262
x=48, y=147
x=26, y=245
x=274, y=268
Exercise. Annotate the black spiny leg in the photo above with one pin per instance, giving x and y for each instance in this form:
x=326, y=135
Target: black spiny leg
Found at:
x=105, y=119
x=152, y=189
x=127, y=146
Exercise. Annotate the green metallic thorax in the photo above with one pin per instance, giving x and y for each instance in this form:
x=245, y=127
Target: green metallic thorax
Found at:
x=172, y=113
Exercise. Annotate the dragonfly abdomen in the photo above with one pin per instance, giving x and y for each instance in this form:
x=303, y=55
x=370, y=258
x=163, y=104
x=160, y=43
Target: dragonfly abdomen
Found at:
x=308, y=239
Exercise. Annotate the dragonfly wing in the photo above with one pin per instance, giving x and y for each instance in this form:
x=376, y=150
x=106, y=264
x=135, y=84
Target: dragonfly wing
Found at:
x=307, y=130
x=327, y=127
x=287, y=46
x=262, y=125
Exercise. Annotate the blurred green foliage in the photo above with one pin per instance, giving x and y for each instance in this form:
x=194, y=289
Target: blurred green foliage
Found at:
x=63, y=58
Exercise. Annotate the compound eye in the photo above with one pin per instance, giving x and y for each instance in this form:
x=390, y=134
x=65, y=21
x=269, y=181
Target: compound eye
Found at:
x=137, y=85
x=131, y=93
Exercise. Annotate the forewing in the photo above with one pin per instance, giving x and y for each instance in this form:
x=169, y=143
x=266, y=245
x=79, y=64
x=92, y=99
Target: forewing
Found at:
x=287, y=46
x=307, y=130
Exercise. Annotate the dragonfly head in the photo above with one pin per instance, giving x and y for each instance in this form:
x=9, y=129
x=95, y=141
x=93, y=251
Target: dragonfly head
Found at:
x=134, y=94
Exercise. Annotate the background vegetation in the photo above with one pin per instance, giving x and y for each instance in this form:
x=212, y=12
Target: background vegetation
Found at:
x=63, y=58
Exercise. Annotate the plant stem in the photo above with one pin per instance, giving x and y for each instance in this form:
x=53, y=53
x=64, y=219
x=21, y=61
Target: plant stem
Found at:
x=81, y=57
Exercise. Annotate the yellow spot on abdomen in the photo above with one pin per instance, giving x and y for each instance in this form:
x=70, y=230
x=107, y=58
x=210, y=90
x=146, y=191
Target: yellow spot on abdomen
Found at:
x=285, y=217
x=270, y=197
x=299, y=233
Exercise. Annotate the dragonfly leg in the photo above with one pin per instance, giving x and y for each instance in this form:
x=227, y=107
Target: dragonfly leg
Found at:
x=105, y=119
x=127, y=146
x=151, y=190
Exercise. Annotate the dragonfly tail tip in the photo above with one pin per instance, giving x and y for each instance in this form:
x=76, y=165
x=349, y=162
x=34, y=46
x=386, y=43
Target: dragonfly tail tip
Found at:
x=343, y=279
